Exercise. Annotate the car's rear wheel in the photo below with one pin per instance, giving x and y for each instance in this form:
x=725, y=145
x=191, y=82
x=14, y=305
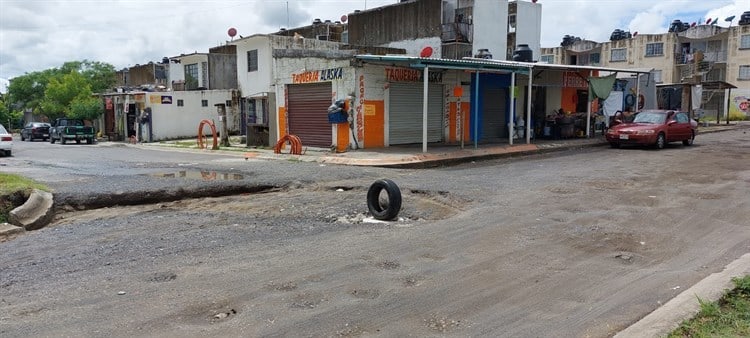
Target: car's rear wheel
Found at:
x=661, y=141
x=51, y=139
x=22, y=138
x=689, y=142
x=63, y=140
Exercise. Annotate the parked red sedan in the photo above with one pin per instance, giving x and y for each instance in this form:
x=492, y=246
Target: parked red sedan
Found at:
x=654, y=127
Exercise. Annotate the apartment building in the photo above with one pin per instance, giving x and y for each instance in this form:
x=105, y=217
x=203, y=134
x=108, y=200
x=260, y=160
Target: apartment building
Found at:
x=707, y=60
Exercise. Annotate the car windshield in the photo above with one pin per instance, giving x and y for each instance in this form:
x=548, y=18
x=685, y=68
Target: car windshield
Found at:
x=645, y=117
x=2, y=130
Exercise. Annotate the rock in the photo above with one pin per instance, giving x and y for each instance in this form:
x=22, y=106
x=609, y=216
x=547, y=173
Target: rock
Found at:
x=35, y=213
x=121, y=293
x=7, y=229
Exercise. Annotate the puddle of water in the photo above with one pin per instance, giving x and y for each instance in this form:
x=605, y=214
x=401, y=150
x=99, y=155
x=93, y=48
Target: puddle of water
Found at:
x=202, y=175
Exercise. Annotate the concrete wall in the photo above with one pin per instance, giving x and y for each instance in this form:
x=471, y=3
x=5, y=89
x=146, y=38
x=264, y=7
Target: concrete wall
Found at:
x=738, y=57
x=259, y=81
x=414, y=47
x=222, y=71
x=529, y=26
x=287, y=70
x=491, y=27
x=171, y=121
x=399, y=22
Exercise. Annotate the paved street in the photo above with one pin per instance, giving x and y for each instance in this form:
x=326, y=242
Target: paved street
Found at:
x=578, y=243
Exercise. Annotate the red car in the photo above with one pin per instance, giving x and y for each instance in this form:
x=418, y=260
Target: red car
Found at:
x=654, y=127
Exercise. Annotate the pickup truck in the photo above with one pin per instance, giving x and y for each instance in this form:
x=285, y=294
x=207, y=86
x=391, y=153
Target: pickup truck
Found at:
x=67, y=129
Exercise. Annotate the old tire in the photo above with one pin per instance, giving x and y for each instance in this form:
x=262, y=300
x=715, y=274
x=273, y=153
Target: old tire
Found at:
x=388, y=209
x=661, y=141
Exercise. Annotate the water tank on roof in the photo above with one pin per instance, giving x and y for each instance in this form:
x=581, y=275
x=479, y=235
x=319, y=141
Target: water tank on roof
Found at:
x=483, y=54
x=523, y=53
x=744, y=19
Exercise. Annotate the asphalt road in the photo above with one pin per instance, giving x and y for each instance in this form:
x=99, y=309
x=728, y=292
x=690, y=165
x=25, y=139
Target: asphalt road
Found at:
x=580, y=243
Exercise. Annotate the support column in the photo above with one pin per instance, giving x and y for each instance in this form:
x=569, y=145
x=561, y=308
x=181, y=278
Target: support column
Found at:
x=424, y=109
x=511, y=126
x=528, y=107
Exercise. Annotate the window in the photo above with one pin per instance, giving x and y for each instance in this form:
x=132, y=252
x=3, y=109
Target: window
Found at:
x=656, y=73
x=228, y=103
x=548, y=58
x=204, y=103
x=655, y=49
x=745, y=41
x=744, y=72
x=595, y=58
x=252, y=60
x=191, y=76
x=619, y=54
x=180, y=103
x=682, y=118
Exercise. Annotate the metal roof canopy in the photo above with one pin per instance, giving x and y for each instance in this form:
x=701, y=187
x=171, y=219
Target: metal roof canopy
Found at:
x=709, y=85
x=477, y=66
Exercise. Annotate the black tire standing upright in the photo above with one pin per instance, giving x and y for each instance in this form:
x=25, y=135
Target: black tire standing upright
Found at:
x=384, y=211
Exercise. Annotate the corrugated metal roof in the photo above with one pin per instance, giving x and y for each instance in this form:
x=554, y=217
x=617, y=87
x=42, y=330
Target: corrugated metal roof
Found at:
x=486, y=64
x=464, y=64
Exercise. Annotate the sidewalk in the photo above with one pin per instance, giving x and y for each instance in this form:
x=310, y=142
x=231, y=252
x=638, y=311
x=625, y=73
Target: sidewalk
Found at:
x=411, y=156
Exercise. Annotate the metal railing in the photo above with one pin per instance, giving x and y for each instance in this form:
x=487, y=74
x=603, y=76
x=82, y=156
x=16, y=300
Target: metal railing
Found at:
x=687, y=58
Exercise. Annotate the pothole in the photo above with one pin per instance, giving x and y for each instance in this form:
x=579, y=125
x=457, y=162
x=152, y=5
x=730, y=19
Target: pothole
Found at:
x=205, y=175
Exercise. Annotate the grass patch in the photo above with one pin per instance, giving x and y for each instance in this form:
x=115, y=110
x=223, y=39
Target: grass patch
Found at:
x=14, y=190
x=727, y=317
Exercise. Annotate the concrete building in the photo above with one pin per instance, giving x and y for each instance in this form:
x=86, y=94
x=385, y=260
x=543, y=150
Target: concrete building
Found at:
x=696, y=67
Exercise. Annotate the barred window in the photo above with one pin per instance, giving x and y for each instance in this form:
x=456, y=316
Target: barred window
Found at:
x=252, y=60
x=654, y=49
x=619, y=54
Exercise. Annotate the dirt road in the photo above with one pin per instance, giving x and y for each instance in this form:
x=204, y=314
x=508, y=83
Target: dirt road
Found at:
x=574, y=245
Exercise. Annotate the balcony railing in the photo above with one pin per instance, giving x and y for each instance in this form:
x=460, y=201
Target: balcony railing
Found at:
x=687, y=58
x=457, y=32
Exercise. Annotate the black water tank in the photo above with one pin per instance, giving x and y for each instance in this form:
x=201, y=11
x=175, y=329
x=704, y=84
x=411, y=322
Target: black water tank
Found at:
x=483, y=53
x=523, y=53
x=744, y=19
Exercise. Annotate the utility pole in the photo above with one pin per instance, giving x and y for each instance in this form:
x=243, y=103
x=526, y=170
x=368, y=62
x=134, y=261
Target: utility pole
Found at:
x=224, y=137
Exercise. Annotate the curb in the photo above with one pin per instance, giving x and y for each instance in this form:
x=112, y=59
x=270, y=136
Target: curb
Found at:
x=686, y=305
x=35, y=213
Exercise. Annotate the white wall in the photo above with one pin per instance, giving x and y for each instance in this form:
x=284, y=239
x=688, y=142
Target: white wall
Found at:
x=529, y=26
x=170, y=121
x=491, y=27
x=340, y=88
x=414, y=47
x=259, y=81
x=198, y=59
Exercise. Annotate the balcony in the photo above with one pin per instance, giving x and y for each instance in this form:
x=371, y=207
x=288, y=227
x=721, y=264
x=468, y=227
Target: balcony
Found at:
x=457, y=32
x=689, y=58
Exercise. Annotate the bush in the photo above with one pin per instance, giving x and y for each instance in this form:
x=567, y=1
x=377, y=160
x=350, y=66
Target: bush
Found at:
x=737, y=116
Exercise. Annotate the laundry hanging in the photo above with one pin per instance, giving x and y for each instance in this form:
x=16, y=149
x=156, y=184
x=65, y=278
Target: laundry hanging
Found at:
x=601, y=86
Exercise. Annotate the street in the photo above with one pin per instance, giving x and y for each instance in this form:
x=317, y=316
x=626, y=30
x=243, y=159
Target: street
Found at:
x=571, y=244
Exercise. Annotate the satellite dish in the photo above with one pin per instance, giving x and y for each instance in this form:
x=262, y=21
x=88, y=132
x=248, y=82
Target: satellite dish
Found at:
x=426, y=52
x=232, y=32
x=729, y=19
x=534, y=1
x=708, y=21
x=344, y=18
x=692, y=24
x=634, y=34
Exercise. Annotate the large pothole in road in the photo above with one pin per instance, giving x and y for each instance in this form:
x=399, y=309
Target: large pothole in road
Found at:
x=296, y=202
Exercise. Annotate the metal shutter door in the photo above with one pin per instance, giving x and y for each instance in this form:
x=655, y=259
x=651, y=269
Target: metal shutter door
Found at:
x=405, y=113
x=308, y=113
x=493, y=114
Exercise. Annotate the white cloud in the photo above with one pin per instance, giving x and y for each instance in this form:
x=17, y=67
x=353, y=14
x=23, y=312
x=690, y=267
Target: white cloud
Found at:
x=41, y=34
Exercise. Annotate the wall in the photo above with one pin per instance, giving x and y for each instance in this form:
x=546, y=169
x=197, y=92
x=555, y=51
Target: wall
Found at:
x=287, y=71
x=529, y=26
x=222, y=71
x=398, y=22
x=491, y=27
x=198, y=59
x=259, y=81
x=414, y=47
x=738, y=57
x=172, y=122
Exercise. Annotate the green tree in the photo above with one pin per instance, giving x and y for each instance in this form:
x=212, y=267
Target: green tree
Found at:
x=62, y=92
x=29, y=91
x=86, y=107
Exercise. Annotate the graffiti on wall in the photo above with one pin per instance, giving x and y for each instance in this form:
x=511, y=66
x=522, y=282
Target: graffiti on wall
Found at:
x=360, y=107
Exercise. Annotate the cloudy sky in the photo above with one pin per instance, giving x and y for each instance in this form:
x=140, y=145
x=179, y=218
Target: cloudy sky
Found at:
x=41, y=34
